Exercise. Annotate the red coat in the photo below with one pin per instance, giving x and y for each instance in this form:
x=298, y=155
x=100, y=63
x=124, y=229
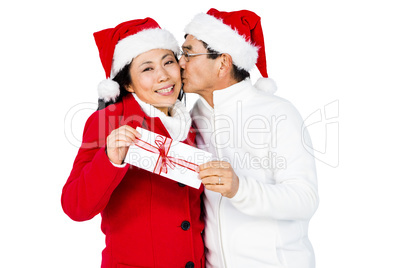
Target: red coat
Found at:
x=148, y=220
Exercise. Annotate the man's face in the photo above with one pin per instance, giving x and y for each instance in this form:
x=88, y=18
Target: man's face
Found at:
x=199, y=74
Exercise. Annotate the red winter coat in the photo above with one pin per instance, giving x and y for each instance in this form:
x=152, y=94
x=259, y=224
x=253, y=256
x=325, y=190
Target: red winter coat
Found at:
x=148, y=220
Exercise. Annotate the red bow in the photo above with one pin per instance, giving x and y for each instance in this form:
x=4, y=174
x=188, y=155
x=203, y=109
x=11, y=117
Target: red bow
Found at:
x=164, y=161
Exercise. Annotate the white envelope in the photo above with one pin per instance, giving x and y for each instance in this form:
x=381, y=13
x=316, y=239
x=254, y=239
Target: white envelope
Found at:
x=166, y=157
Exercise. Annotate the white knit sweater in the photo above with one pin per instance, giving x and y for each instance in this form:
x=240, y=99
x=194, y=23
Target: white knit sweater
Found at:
x=262, y=136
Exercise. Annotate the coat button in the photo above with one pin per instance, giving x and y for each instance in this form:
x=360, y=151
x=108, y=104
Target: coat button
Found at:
x=181, y=184
x=185, y=225
x=190, y=264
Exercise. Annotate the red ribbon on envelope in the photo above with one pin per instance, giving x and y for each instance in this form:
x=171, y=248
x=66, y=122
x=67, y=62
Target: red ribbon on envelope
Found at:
x=164, y=161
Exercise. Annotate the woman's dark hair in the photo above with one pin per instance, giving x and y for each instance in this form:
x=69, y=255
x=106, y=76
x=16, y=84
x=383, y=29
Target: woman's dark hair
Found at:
x=237, y=73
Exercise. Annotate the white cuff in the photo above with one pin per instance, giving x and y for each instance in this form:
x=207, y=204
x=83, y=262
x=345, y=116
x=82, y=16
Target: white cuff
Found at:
x=118, y=166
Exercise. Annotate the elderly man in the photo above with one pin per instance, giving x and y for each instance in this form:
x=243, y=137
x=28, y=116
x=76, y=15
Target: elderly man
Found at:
x=262, y=190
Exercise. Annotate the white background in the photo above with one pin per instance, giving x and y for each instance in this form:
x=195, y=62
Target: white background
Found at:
x=345, y=53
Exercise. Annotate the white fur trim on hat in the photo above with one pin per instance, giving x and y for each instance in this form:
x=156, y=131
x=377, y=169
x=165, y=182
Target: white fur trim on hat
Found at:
x=222, y=38
x=266, y=84
x=133, y=45
x=108, y=90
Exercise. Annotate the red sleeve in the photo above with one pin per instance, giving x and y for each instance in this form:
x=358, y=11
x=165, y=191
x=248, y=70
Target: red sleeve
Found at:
x=93, y=177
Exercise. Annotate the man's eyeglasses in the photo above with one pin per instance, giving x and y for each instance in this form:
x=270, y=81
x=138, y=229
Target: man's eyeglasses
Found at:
x=188, y=55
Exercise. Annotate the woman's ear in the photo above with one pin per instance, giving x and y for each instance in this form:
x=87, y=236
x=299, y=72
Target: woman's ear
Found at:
x=130, y=88
x=225, y=64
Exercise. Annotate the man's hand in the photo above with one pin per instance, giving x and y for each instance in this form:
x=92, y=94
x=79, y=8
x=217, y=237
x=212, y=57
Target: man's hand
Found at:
x=219, y=176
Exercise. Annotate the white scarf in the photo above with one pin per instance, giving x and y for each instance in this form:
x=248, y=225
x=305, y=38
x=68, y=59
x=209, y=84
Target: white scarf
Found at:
x=178, y=124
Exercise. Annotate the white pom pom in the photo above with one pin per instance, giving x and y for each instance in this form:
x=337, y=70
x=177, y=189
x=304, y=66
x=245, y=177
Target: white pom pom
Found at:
x=266, y=84
x=108, y=90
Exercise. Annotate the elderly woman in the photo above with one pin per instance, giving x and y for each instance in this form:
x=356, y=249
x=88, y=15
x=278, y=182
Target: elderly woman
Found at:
x=148, y=220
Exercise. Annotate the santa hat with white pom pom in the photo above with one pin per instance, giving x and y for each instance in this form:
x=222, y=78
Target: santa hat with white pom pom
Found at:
x=237, y=33
x=118, y=46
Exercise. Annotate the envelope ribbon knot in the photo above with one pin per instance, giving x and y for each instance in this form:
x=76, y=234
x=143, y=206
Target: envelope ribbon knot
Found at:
x=164, y=161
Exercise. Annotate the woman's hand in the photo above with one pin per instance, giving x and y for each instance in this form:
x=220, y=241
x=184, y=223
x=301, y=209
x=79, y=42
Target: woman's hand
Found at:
x=219, y=176
x=118, y=141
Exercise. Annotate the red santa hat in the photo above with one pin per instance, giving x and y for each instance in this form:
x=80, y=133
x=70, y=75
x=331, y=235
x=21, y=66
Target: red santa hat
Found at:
x=237, y=33
x=118, y=46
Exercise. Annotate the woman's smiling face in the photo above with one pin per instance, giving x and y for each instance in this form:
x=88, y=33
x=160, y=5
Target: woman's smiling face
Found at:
x=155, y=78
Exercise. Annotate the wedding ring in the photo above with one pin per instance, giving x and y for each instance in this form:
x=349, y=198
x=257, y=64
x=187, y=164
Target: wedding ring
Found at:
x=219, y=182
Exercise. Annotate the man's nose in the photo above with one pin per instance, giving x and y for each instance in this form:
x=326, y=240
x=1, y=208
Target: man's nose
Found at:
x=182, y=62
